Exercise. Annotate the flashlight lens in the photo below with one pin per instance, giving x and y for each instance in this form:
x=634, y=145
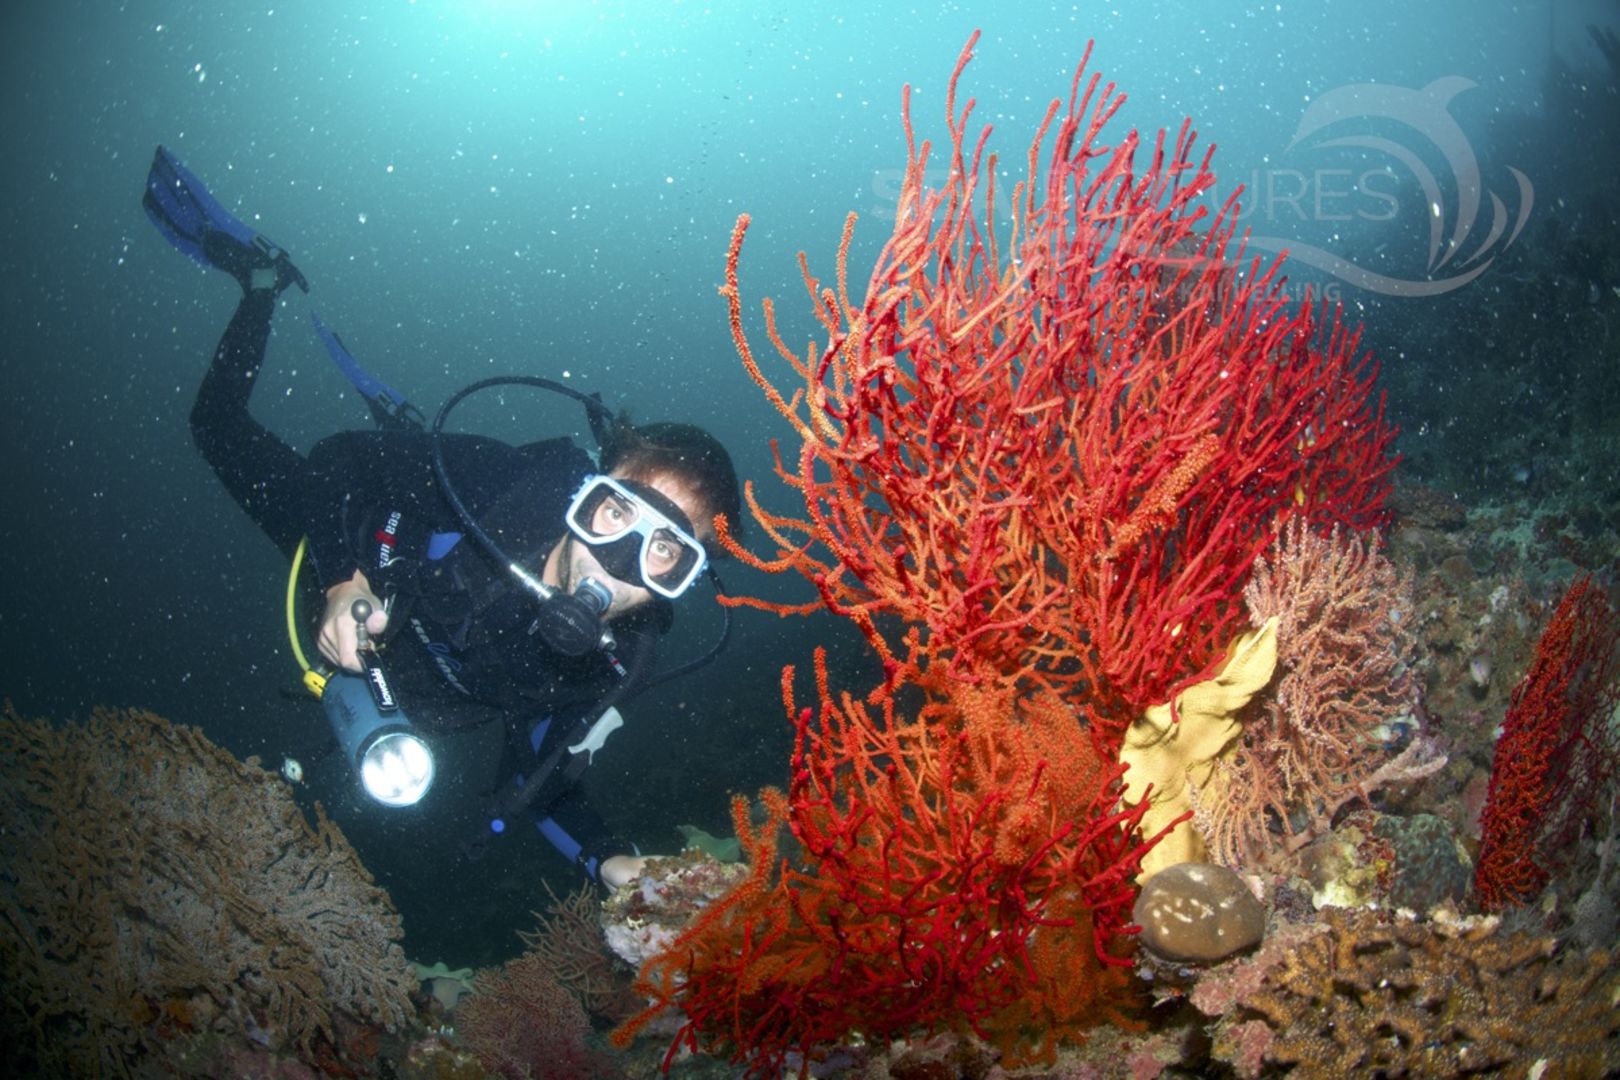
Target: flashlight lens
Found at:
x=397, y=769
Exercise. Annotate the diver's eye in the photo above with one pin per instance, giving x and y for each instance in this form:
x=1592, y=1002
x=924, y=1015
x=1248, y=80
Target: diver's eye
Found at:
x=612, y=516
x=663, y=552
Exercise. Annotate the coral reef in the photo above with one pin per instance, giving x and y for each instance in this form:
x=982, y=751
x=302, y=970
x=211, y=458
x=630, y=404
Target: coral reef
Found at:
x=152, y=886
x=1037, y=463
x=925, y=890
x=1198, y=912
x=1480, y=597
x=447, y=985
x=1379, y=993
x=1410, y=861
x=1351, y=866
x=640, y=922
x=1431, y=867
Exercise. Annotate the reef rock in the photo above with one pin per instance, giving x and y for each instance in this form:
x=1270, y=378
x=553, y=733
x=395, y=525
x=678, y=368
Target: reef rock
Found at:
x=644, y=917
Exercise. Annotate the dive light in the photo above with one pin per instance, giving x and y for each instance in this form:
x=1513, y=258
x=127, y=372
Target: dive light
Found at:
x=394, y=765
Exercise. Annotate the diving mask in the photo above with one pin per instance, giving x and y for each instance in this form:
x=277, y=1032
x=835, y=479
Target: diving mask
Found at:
x=638, y=535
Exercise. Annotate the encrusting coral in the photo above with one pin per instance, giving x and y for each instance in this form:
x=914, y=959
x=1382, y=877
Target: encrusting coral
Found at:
x=152, y=886
x=1385, y=993
x=1198, y=912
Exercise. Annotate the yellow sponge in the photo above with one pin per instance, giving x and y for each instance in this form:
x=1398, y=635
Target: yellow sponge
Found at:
x=1164, y=753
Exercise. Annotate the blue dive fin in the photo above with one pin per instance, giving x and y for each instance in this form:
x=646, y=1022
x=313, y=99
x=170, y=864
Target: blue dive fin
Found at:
x=388, y=406
x=186, y=213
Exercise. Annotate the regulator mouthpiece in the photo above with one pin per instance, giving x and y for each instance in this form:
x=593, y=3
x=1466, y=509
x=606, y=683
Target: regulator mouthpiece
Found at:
x=571, y=623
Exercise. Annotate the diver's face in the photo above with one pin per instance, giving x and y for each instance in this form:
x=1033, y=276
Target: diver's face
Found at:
x=576, y=561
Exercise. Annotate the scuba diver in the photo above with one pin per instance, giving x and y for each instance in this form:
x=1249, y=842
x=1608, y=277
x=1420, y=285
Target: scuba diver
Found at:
x=465, y=578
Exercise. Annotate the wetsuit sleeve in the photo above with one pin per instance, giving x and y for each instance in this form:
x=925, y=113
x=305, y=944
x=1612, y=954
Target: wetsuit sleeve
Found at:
x=581, y=836
x=348, y=471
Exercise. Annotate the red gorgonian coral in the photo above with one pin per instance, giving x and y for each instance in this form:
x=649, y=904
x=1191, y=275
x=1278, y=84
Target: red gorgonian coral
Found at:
x=1557, y=754
x=1037, y=462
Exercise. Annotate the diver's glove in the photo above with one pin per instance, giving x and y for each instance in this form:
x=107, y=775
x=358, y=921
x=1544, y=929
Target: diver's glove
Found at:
x=256, y=265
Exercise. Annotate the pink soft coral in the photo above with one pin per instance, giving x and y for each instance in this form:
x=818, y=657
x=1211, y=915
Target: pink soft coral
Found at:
x=1318, y=736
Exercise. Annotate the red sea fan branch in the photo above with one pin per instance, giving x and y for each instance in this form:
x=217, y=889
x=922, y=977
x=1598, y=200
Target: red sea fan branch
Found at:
x=1060, y=452
x=929, y=853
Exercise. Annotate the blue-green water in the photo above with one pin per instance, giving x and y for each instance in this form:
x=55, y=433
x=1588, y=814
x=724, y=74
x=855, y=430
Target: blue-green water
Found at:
x=547, y=188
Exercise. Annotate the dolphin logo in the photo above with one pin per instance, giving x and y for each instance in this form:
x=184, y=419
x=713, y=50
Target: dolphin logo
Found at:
x=1427, y=114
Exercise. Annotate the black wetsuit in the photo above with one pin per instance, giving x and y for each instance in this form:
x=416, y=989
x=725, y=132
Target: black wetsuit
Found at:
x=460, y=647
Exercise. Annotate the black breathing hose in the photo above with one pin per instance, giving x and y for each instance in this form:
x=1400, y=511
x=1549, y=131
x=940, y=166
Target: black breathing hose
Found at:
x=600, y=416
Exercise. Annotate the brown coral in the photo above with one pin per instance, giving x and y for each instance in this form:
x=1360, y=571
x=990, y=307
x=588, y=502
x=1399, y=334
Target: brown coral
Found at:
x=1383, y=994
x=522, y=1023
x=151, y=884
x=1345, y=643
x=570, y=941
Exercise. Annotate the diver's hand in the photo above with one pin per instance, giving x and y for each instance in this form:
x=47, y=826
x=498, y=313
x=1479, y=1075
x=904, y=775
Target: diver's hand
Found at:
x=619, y=870
x=338, y=638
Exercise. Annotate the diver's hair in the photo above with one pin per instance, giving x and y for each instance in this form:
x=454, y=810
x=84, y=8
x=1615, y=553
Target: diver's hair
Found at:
x=683, y=450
